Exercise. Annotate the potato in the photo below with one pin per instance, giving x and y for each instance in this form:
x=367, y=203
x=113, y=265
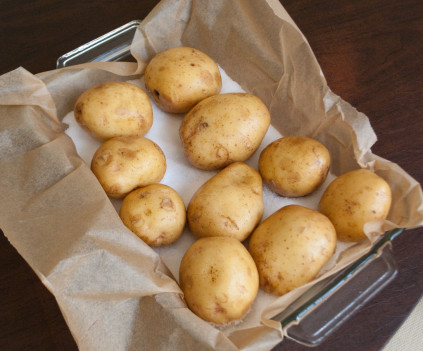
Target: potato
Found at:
x=180, y=77
x=122, y=164
x=290, y=248
x=224, y=128
x=228, y=204
x=354, y=198
x=294, y=166
x=156, y=213
x=114, y=109
x=219, y=279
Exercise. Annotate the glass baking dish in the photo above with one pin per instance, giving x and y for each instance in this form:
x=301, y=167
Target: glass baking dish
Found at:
x=326, y=305
x=112, y=46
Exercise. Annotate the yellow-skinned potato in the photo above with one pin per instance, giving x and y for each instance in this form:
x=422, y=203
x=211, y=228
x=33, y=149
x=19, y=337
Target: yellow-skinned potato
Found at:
x=354, y=198
x=114, y=109
x=294, y=166
x=224, y=128
x=156, y=213
x=180, y=77
x=219, y=279
x=290, y=248
x=228, y=204
x=122, y=164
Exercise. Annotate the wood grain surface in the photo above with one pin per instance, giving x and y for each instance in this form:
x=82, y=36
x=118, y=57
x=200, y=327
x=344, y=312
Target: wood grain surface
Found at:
x=371, y=55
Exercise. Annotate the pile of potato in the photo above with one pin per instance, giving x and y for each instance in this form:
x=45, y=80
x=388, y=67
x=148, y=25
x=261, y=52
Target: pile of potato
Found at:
x=219, y=276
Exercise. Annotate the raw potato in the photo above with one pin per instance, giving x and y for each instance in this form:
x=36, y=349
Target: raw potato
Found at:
x=228, y=204
x=180, y=77
x=354, y=198
x=114, y=109
x=290, y=248
x=294, y=166
x=122, y=164
x=156, y=213
x=219, y=279
x=224, y=128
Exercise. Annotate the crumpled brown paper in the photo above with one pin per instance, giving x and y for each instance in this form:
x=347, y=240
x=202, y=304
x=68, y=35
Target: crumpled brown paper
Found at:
x=114, y=291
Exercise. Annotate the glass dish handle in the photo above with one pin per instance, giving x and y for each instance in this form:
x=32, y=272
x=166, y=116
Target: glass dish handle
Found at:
x=322, y=309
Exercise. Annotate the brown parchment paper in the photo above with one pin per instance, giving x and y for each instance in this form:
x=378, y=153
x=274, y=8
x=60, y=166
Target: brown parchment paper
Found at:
x=114, y=291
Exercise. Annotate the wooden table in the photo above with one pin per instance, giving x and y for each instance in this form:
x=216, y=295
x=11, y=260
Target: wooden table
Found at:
x=371, y=54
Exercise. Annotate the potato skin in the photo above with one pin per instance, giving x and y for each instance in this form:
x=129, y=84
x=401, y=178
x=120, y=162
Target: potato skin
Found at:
x=354, y=198
x=228, y=204
x=224, y=128
x=180, y=77
x=114, y=109
x=155, y=213
x=219, y=279
x=290, y=247
x=122, y=164
x=294, y=166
